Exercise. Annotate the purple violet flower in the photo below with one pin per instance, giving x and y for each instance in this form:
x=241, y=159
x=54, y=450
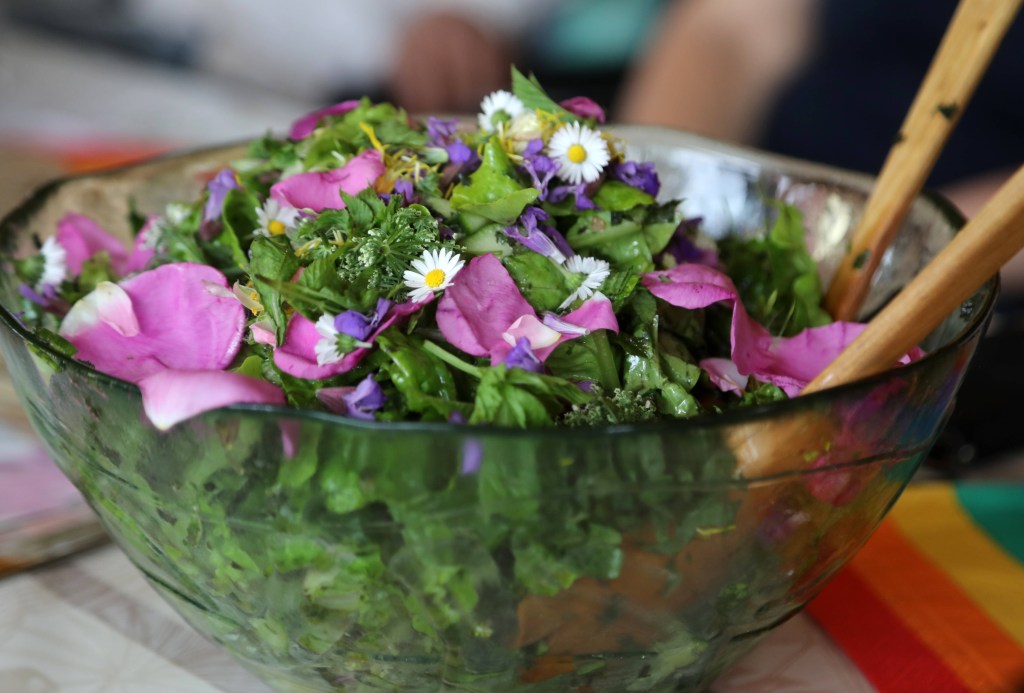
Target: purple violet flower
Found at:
x=46, y=298
x=404, y=187
x=364, y=400
x=533, y=237
x=540, y=168
x=459, y=153
x=358, y=325
x=684, y=250
x=441, y=134
x=218, y=187
x=641, y=176
x=522, y=356
x=560, y=192
x=472, y=449
x=440, y=131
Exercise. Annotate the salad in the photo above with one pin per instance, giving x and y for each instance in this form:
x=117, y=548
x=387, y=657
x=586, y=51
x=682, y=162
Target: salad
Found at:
x=518, y=271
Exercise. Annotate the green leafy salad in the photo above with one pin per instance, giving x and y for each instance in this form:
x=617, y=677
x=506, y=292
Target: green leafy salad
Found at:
x=519, y=271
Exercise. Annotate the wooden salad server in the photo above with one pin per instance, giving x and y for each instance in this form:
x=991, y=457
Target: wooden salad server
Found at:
x=974, y=34
x=974, y=255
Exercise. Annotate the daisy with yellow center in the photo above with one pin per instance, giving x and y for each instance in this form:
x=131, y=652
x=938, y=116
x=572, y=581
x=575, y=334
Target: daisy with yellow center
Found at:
x=431, y=272
x=275, y=219
x=580, y=152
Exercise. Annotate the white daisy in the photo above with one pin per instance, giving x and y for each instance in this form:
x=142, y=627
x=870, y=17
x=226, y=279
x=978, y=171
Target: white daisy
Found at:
x=498, y=107
x=581, y=152
x=594, y=273
x=433, y=271
x=275, y=218
x=55, y=264
x=326, y=349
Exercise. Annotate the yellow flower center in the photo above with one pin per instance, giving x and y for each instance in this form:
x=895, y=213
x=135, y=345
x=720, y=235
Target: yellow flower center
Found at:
x=434, y=278
x=576, y=154
x=276, y=227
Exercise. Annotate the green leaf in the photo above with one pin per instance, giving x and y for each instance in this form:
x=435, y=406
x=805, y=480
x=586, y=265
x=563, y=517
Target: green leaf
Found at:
x=616, y=196
x=273, y=264
x=240, y=220
x=541, y=281
x=500, y=402
x=423, y=379
x=776, y=276
x=493, y=180
x=532, y=94
x=587, y=358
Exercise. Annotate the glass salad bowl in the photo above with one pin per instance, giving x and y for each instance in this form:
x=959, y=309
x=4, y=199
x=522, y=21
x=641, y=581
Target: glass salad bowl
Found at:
x=334, y=554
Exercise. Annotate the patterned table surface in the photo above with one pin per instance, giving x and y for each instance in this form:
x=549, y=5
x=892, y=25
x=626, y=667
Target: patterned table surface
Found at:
x=91, y=624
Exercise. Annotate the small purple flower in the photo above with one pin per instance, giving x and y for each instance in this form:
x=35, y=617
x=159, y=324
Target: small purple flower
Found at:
x=404, y=187
x=459, y=153
x=533, y=237
x=218, y=187
x=540, y=168
x=364, y=400
x=439, y=132
x=640, y=175
x=46, y=297
x=584, y=108
x=522, y=356
x=358, y=325
x=583, y=201
x=472, y=449
x=442, y=134
x=684, y=250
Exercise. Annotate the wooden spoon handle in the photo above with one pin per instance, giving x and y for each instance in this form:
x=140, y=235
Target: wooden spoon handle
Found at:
x=974, y=34
x=974, y=255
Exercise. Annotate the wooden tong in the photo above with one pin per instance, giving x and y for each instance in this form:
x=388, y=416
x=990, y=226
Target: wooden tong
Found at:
x=974, y=34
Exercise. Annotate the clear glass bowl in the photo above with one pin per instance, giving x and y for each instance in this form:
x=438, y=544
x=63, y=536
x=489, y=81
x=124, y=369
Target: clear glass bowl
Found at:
x=332, y=554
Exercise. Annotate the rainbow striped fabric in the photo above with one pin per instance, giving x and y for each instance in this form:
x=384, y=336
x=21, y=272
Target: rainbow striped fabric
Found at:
x=935, y=600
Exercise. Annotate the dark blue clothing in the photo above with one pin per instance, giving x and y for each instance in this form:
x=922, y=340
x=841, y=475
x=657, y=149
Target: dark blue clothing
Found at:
x=847, y=106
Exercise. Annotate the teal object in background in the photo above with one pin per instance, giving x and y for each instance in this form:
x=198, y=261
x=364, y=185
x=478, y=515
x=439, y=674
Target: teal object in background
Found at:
x=595, y=35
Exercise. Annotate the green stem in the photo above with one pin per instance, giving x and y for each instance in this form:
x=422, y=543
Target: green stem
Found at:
x=450, y=359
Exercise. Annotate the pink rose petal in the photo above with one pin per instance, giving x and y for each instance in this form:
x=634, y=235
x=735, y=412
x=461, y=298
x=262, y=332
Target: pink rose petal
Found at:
x=82, y=238
x=475, y=311
x=172, y=396
x=261, y=334
x=142, y=250
x=537, y=333
x=725, y=375
x=304, y=126
x=584, y=108
x=319, y=191
x=182, y=324
x=789, y=363
x=107, y=305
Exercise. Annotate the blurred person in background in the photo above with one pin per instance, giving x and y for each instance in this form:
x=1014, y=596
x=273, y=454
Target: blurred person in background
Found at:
x=425, y=55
